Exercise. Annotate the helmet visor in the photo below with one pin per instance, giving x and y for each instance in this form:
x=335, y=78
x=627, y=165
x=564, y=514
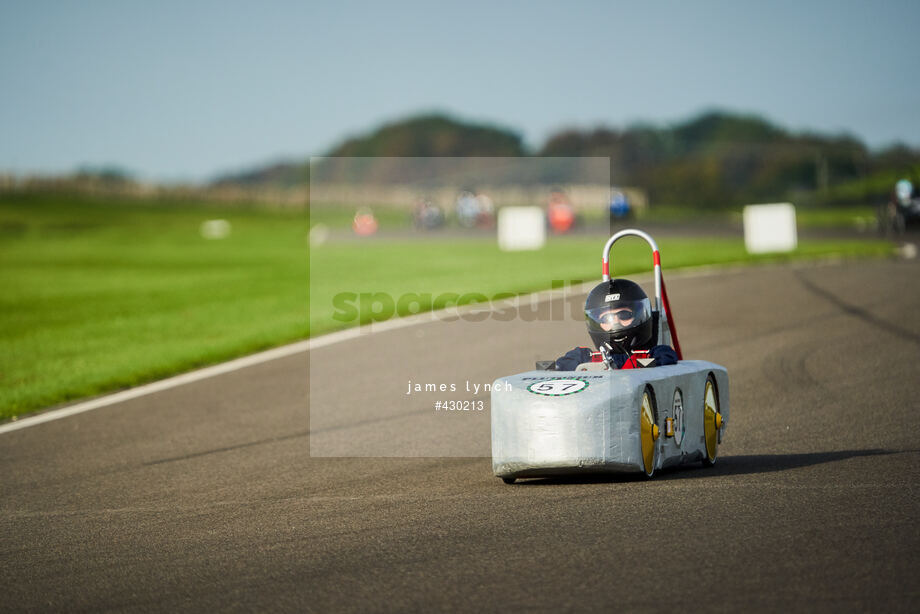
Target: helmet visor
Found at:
x=618, y=316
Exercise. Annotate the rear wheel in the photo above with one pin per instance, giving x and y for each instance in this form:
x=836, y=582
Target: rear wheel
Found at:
x=648, y=431
x=712, y=421
x=508, y=480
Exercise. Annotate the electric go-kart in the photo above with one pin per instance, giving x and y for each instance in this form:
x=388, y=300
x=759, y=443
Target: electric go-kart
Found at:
x=598, y=419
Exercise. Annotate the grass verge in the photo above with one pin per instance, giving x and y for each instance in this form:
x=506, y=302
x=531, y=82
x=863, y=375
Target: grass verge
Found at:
x=99, y=296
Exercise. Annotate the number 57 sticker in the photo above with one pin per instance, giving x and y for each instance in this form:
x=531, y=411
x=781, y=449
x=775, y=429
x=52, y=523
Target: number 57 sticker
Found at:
x=558, y=387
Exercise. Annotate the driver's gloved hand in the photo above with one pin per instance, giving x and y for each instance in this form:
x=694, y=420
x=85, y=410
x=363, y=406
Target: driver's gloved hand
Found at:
x=573, y=358
x=663, y=355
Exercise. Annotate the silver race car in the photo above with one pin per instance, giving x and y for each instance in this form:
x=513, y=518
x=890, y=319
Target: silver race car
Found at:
x=600, y=419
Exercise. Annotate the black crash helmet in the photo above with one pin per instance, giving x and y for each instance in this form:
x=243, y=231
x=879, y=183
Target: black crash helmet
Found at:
x=618, y=313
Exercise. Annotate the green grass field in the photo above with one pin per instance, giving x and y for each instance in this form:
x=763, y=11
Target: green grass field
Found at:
x=101, y=295
x=477, y=266
x=98, y=296
x=805, y=217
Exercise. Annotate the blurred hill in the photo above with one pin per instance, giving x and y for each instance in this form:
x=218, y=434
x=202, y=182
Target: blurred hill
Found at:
x=715, y=160
x=721, y=159
x=424, y=136
x=433, y=135
x=277, y=175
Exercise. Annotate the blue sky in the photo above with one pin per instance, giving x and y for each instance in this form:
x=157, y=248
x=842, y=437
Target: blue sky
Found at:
x=187, y=90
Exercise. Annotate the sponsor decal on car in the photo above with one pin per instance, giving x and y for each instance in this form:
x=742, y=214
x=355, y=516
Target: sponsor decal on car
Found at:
x=558, y=387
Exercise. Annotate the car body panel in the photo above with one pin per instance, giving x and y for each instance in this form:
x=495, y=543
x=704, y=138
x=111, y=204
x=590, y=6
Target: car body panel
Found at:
x=596, y=427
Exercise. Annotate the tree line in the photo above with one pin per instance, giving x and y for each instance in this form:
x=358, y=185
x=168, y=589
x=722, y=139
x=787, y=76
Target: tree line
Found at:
x=717, y=159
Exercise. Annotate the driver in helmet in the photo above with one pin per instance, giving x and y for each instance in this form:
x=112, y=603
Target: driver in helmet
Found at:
x=619, y=319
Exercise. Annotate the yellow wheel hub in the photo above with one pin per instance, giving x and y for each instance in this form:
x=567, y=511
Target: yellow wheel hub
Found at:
x=712, y=421
x=648, y=433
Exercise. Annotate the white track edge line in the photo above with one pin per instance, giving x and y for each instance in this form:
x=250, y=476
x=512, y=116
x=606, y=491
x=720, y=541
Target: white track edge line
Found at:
x=266, y=356
x=318, y=342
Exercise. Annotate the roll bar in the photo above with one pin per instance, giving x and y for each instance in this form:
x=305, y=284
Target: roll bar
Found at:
x=661, y=294
x=656, y=258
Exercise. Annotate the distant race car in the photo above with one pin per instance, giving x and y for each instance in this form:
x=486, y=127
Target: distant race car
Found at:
x=602, y=420
x=560, y=215
x=901, y=210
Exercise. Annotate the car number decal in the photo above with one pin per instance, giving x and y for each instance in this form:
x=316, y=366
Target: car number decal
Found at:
x=679, y=426
x=558, y=387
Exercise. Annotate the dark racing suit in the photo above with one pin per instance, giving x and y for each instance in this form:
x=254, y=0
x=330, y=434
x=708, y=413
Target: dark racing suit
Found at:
x=662, y=354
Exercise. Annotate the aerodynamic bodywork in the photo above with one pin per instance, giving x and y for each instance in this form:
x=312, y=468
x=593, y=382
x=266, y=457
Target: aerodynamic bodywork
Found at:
x=598, y=419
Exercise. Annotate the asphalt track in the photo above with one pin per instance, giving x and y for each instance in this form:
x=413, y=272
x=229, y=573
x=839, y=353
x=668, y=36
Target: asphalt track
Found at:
x=205, y=497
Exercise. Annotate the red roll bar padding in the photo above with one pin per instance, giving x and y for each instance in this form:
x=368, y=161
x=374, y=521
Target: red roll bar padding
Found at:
x=661, y=296
x=671, y=326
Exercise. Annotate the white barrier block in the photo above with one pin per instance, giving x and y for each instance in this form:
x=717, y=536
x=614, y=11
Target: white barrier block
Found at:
x=521, y=228
x=215, y=229
x=769, y=228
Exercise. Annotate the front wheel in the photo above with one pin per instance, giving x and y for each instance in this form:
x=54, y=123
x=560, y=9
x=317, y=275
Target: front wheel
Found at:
x=508, y=480
x=712, y=421
x=648, y=432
